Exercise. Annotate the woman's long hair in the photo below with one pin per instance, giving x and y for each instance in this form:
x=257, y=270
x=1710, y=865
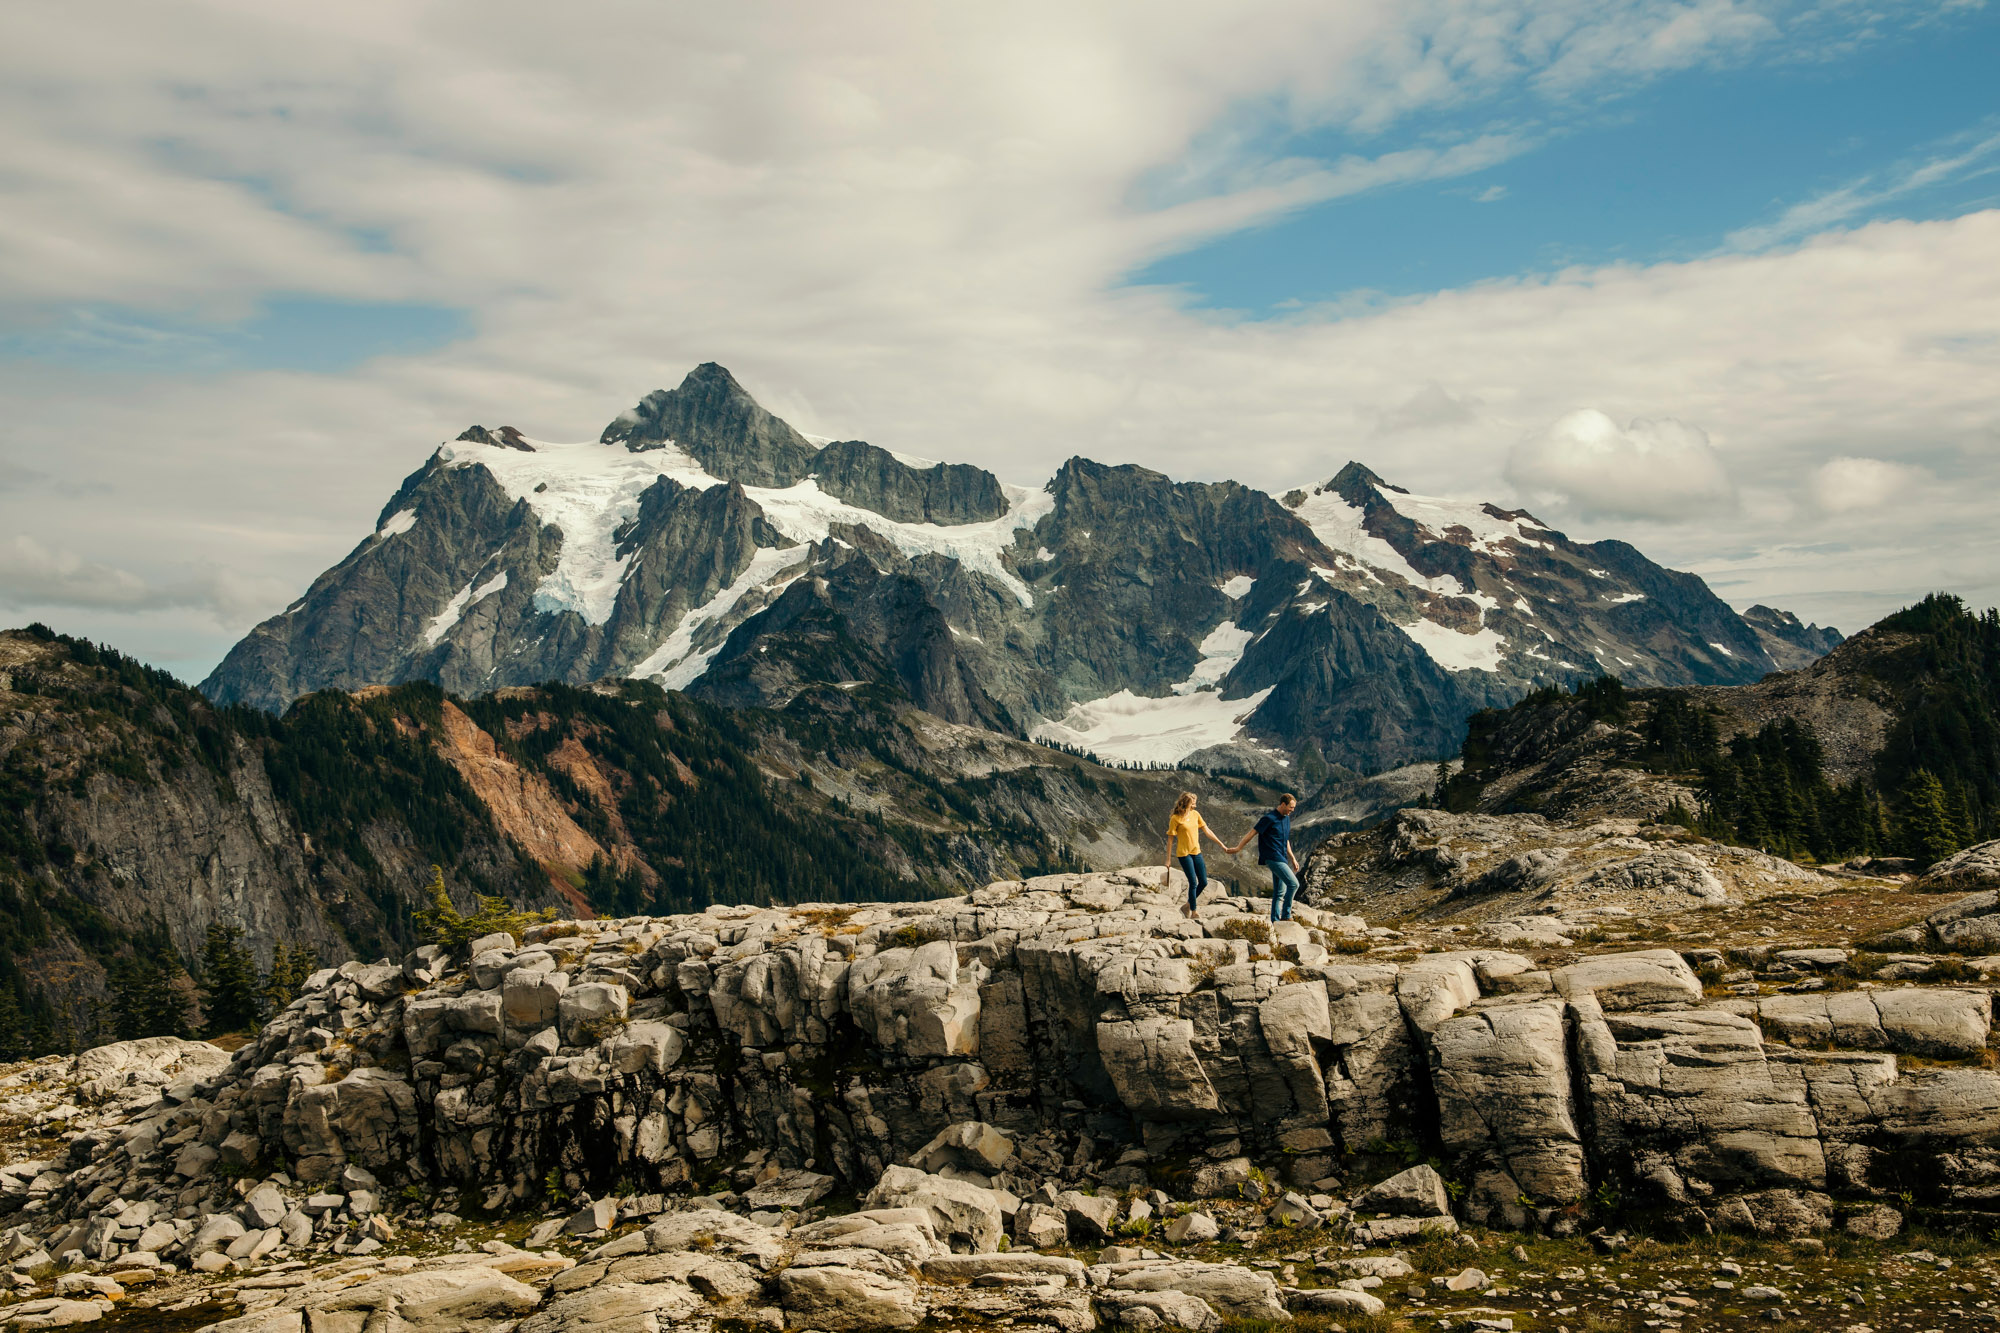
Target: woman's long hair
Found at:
x=1180, y=806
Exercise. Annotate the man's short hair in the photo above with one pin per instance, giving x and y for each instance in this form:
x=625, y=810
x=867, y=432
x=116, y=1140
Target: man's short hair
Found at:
x=1288, y=799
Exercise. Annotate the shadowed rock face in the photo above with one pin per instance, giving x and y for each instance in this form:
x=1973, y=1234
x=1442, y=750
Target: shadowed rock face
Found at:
x=876, y=479
x=1790, y=641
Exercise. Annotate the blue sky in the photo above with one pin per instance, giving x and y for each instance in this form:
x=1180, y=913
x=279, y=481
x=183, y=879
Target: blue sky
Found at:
x=1674, y=169
x=1720, y=278
x=304, y=333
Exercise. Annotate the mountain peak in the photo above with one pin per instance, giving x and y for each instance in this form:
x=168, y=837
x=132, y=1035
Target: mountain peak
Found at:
x=1350, y=481
x=714, y=420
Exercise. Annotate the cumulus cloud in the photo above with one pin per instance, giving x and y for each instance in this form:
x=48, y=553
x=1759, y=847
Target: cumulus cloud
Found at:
x=1653, y=468
x=1844, y=485
x=33, y=575
x=908, y=224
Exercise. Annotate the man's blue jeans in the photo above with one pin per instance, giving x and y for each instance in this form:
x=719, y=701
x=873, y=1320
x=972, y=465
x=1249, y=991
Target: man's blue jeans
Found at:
x=1284, y=888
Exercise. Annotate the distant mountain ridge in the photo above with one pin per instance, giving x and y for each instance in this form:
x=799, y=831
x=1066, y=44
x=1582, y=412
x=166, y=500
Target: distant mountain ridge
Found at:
x=704, y=543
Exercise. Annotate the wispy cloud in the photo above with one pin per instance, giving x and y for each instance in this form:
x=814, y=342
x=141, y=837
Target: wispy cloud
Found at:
x=1969, y=155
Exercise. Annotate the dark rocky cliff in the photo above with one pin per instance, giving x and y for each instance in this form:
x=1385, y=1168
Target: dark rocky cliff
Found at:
x=1115, y=609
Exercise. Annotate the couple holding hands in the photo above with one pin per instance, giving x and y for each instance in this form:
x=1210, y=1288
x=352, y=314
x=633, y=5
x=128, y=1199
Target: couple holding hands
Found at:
x=1273, y=833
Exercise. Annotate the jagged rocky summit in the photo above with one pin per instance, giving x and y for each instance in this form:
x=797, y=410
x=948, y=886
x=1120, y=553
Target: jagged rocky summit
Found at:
x=703, y=542
x=1060, y=1062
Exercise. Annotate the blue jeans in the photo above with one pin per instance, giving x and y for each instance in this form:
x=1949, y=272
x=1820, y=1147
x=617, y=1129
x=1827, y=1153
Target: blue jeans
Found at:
x=1284, y=888
x=1196, y=871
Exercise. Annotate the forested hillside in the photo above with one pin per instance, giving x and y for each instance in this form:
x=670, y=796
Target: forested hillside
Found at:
x=1751, y=765
x=137, y=820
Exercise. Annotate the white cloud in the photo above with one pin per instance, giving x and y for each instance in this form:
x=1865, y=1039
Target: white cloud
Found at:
x=1660, y=468
x=902, y=223
x=31, y=574
x=1844, y=485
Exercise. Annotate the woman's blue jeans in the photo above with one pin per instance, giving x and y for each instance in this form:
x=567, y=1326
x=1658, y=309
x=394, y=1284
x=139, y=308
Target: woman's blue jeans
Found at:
x=1196, y=871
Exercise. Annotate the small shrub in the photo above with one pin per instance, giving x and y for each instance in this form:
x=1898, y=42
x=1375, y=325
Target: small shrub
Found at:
x=445, y=926
x=1864, y=965
x=1243, y=928
x=1351, y=944
x=1950, y=969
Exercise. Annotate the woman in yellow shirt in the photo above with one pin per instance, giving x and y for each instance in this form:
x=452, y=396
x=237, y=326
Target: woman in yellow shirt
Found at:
x=1184, y=833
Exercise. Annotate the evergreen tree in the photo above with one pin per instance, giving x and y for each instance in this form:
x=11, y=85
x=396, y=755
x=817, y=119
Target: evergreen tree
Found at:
x=229, y=984
x=291, y=964
x=13, y=1025
x=148, y=998
x=1930, y=830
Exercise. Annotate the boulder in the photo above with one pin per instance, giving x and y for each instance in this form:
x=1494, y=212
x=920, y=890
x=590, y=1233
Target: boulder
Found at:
x=835, y=1297
x=1502, y=1080
x=217, y=1232
x=1157, y=1310
x=530, y=1000
x=1233, y=1177
x=966, y=1217
x=1335, y=1301
x=1292, y=1210
x=1417, y=1192
x=1192, y=1229
x=1971, y=922
x=970, y=1267
x=1232, y=1292
x=1092, y=1218
x=587, y=1012
x=1668, y=870
x=613, y=1307
x=264, y=1206
x=912, y=1002
x=1969, y=871
x=141, y=1067
x=717, y=1232
x=1040, y=1227
x=1875, y=1221
x=649, y=1046
x=598, y=1216
x=793, y=1190
x=369, y=1117
x=434, y=1298
x=1911, y=1021
x=1780, y=1212
x=969, y=1145
x=1652, y=978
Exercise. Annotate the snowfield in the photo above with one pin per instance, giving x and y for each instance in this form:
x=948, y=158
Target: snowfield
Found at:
x=1131, y=729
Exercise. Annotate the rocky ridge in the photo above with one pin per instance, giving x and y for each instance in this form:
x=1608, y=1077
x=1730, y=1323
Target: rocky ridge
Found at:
x=1002, y=1086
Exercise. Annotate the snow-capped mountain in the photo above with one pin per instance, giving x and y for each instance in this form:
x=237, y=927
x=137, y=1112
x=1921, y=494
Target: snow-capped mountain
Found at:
x=705, y=543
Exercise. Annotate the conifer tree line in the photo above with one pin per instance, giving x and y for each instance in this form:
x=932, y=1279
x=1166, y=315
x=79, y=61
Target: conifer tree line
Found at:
x=153, y=992
x=1934, y=789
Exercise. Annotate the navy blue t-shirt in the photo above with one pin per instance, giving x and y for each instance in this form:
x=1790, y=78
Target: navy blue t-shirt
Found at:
x=1274, y=832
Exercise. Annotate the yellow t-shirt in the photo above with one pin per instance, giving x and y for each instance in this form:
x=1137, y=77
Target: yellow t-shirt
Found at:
x=1185, y=829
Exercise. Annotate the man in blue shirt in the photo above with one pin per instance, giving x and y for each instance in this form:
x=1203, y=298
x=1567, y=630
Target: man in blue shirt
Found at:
x=1274, y=851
